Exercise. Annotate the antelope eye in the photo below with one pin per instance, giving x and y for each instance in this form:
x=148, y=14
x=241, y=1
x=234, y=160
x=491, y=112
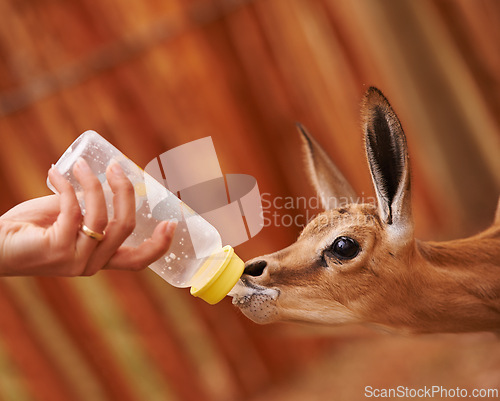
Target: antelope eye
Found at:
x=345, y=248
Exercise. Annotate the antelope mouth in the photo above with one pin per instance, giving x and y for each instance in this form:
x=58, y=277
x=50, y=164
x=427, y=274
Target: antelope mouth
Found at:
x=257, y=303
x=244, y=291
x=268, y=296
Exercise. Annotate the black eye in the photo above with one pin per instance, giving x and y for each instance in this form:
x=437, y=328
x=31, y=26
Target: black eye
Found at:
x=345, y=248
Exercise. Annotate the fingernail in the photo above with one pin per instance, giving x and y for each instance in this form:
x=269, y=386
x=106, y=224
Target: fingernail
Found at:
x=170, y=226
x=116, y=168
x=82, y=165
x=54, y=170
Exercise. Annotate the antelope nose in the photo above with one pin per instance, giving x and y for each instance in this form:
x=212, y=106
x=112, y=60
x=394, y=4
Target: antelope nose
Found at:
x=255, y=268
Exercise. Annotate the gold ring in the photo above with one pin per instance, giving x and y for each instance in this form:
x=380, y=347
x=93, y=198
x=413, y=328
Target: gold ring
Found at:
x=91, y=233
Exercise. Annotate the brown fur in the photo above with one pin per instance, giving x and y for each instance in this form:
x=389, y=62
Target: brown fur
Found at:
x=395, y=280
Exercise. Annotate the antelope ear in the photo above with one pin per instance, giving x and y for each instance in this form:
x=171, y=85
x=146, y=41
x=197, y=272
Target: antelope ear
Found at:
x=388, y=159
x=331, y=186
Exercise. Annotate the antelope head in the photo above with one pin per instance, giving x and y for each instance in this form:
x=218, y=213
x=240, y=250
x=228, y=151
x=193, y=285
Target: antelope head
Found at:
x=359, y=262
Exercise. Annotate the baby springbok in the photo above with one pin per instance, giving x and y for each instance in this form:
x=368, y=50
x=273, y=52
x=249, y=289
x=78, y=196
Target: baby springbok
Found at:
x=361, y=262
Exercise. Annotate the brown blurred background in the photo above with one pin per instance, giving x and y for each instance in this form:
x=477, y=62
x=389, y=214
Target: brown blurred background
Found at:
x=150, y=75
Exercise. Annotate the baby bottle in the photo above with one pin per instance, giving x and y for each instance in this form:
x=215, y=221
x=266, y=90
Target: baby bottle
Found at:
x=196, y=257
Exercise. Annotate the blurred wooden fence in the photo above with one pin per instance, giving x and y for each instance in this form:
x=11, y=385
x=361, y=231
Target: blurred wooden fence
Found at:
x=151, y=75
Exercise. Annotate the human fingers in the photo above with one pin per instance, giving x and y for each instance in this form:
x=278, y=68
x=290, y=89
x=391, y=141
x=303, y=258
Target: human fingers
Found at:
x=42, y=211
x=96, y=215
x=123, y=222
x=128, y=258
x=70, y=215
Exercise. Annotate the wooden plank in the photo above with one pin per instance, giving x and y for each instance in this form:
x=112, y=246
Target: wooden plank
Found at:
x=176, y=306
x=157, y=335
x=57, y=344
x=42, y=378
x=12, y=382
x=87, y=337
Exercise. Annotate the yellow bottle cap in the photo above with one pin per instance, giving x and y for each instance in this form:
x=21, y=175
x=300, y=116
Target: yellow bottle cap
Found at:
x=217, y=276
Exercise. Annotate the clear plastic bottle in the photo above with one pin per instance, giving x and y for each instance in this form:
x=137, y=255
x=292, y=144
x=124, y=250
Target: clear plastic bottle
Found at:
x=196, y=257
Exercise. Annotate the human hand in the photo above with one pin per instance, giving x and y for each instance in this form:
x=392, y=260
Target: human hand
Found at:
x=42, y=236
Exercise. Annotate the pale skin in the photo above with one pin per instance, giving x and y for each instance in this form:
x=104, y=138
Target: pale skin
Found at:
x=42, y=236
